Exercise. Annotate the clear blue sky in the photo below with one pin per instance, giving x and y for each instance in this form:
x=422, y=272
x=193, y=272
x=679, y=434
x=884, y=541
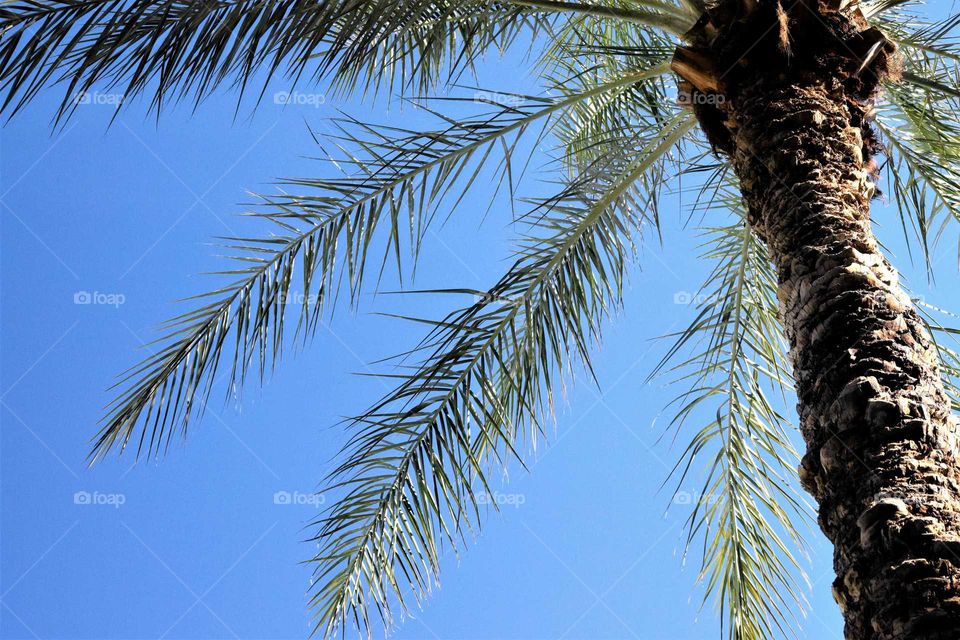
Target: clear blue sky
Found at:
x=198, y=548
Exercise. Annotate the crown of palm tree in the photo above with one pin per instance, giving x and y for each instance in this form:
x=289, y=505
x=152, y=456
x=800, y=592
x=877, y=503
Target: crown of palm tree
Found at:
x=481, y=380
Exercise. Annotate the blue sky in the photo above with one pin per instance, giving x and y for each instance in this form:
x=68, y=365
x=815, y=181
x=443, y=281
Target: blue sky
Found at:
x=195, y=545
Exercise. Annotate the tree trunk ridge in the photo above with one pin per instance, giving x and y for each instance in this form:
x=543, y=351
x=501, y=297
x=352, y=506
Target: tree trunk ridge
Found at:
x=882, y=458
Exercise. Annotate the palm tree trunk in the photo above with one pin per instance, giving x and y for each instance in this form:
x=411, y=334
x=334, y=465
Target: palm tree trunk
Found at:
x=882, y=454
x=793, y=86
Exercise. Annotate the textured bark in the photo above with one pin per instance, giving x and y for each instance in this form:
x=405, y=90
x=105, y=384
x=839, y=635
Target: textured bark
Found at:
x=882, y=454
x=882, y=457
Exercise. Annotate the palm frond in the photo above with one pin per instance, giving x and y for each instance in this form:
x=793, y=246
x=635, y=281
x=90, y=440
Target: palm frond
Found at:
x=180, y=48
x=731, y=363
x=920, y=129
x=946, y=337
x=420, y=457
x=397, y=178
x=587, y=50
x=923, y=144
x=950, y=364
x=671, y=18
x=192, y=46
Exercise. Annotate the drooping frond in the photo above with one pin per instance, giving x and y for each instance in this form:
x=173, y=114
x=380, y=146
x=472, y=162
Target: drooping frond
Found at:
x=731, y=363
x=950, y=364
x=397, y=177
x=180, y=48
x=920, y=128
x=946, y=336
x=192, y=46
x=420, y=457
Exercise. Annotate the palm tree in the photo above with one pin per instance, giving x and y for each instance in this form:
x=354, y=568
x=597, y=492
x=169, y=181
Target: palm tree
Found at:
x=803, y=107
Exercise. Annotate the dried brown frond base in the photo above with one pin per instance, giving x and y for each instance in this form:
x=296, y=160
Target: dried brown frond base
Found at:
x=738, y=43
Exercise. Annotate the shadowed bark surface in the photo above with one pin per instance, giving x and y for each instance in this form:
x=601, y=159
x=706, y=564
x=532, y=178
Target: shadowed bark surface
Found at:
x=797, y=86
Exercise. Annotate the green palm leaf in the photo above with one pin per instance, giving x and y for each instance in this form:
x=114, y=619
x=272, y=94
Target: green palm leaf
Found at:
x=398, y=177
x=920, y=128
x=419, y=457
x=731, y=364
x=181, y=48
x=483, y=377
